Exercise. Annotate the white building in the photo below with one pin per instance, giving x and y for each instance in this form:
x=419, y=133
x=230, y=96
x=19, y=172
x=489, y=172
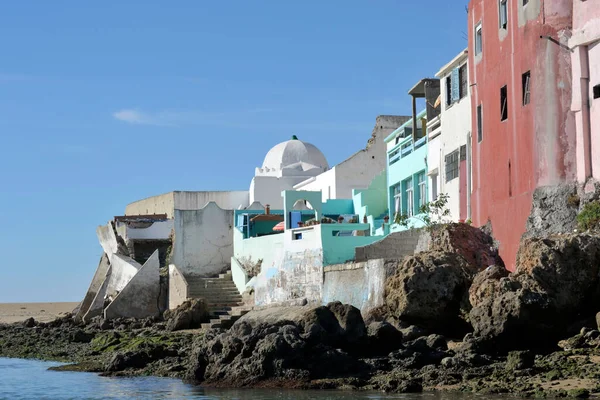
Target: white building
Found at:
x=448, y=161
x=284, y=166
x=359, y=170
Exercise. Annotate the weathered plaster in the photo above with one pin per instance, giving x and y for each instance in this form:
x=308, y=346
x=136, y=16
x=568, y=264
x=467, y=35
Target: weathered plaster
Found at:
x=95, y=285
x=140, y=296
x=203, y=243
x=395, y=245
x=123, y=269
x=178, y=287
x=528, y=12
x=108, y=239
x=360, y=284
x=97, y=304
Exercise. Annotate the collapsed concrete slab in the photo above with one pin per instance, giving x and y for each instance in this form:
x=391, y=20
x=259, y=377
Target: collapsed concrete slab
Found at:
x=97, y=304
x=140, y=296
x=108, y=240
x=99, y=278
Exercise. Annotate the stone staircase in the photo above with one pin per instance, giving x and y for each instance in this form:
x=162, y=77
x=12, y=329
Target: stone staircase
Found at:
x=223, y=299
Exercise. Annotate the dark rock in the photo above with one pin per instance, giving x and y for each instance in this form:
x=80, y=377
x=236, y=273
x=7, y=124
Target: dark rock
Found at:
x=122, y=361
x=520, y=360
x=29, y=323
x=383, y=338
x=79, y=336
x=190, y=314
x=412, y=332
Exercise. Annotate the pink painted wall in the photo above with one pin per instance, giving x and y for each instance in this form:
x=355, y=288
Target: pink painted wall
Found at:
x=586, y=74
x=537, y=140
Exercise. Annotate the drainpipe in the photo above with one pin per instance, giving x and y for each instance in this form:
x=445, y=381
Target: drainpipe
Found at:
x=469, y=156
x=586, y=133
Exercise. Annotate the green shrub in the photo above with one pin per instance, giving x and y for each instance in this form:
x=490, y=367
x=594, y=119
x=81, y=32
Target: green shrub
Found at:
x=589, y=217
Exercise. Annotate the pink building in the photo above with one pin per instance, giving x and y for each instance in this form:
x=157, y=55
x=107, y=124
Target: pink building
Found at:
x=585, y=56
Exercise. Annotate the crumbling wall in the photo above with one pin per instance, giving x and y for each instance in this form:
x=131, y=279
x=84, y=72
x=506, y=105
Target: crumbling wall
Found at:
x=203, y=243
x=361, y=284
x=395, y=245
x=95, y=285
x=139, y=298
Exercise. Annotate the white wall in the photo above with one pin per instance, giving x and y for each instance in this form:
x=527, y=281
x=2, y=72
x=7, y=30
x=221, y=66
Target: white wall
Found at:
x=123, y=269
x=157, y=230
x=197, y=200
x=455, y=126
x=359, y=170
x=168, y=202
x=203, y=243
x=267, y=189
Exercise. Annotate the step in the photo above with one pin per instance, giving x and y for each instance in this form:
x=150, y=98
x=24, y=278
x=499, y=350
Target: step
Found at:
x=210, y=325
x=214, y=292
x=218, y=299
x=208, y=282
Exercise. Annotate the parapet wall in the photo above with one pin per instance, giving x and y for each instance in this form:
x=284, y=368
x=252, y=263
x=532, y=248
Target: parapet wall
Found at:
x=396, y=245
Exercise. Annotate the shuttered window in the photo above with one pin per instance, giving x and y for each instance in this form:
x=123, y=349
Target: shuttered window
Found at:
x=451, y=161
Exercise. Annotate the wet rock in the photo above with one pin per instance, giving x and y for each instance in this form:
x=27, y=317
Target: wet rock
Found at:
x=190, y=314
x=122, y=361
x=430, y=289
x=79, y=336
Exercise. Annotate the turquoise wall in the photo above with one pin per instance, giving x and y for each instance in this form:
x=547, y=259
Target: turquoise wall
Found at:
x=406, y=166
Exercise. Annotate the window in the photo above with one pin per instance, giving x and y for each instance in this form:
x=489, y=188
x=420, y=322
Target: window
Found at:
x=449, y=90
x=452, y=165
x=479, y=123
x=422, y=189
x=456, y=85
x=503, y=14
x=597, y=92
x=434, y=187
x=397, y=193
x=464, y=81
x=503, y=103
x=526, y=93
x=525, y=2
x=410, y=204
x=478, y=40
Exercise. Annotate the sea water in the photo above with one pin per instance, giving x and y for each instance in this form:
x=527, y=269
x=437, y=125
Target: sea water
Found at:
x=29, y=379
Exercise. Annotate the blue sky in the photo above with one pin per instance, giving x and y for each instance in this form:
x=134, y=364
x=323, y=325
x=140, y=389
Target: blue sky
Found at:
x=106, y=103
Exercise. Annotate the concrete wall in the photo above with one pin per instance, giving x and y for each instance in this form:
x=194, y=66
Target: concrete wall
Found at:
x=585, y=58
x=108, y=240
x=97, y=305
x=360, y=284
x=178, y=287
x=239, y=275
x=169, y=202
x=161, y=204
x=359, y=170
x=203, y=243
x=97, y=281
x=267, y=189
x=455, y=128
x=150, y=231
x=298, y=277
x=269, y=249
x=396, y=245
x=140, y=297
x=535, y=145
x=123, y=269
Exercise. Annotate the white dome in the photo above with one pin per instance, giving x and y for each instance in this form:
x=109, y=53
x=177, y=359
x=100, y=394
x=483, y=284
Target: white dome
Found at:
x=293, y=152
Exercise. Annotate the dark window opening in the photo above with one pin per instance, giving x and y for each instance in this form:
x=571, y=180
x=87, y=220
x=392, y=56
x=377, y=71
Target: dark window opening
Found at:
x=479, y=123
x=503, y=14
x=597, y=92
x=503, y=103
x=509, y=180
x=448, y=91
x=526, y=78
x=451, y=161
x=478, y=40
x=525, y=2
x=463, y=78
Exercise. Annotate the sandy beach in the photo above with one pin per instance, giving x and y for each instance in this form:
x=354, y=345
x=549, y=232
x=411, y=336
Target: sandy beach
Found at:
x=43, y=312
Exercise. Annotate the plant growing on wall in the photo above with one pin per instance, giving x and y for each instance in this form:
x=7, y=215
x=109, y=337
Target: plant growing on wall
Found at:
x=432, y=213
x=589, y=217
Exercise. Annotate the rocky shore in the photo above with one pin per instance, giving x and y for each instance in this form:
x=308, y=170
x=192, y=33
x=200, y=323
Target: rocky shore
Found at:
x=454, y=319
